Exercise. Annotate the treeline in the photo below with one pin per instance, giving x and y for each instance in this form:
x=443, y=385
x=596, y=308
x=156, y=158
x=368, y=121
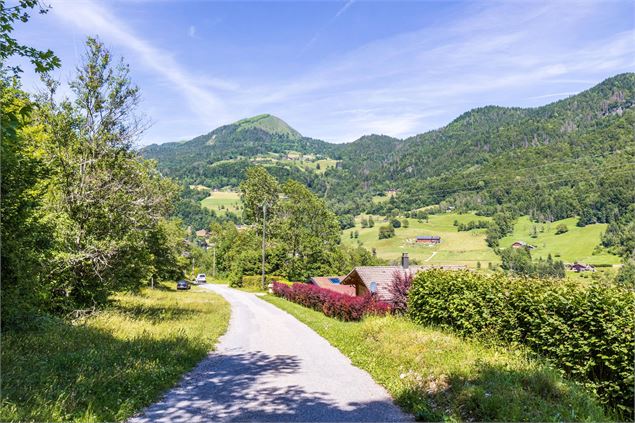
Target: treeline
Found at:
x=302, y=234
x=83, y=215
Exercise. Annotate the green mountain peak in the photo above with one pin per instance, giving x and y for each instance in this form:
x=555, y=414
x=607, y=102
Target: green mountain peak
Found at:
x=268, y=123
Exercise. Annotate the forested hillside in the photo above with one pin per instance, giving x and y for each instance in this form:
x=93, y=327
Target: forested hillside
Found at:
x=570, y=158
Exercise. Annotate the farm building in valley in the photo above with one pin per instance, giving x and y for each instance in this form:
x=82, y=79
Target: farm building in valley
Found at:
x=377, y=279
x=522, y=244
x=581, y=267
x=332, y=283
x=428, y=239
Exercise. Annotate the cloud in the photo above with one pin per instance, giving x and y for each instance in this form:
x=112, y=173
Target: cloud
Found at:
x=191, y=31
x=94, y=18
x=319, y=32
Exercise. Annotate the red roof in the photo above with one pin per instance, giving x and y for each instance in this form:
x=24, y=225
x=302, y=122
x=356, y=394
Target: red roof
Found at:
x=333, y=283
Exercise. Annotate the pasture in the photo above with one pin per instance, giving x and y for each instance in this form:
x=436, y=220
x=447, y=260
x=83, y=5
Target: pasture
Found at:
x=466, y=248
x=578, y=244
x=222, y=201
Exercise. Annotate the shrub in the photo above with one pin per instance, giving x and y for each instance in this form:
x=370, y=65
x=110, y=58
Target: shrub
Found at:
x=561, y=229
x=588, y=332
x=398, y=289
x=386, y=232
x=332, y=304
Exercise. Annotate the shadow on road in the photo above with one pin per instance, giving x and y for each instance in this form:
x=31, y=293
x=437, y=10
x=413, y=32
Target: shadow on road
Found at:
x=235, y=387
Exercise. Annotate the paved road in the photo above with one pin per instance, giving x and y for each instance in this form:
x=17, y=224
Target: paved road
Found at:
x=270, y=367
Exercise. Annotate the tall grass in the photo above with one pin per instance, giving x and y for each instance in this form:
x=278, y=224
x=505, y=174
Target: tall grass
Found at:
x=111, y=365
x=438, y=376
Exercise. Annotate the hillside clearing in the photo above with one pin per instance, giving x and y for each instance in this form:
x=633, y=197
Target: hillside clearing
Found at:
x=222, y=201
x=577, y=244
x=111, y=365
x=466, y=248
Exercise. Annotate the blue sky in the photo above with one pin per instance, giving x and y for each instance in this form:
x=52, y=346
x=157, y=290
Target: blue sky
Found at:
x=341, y=69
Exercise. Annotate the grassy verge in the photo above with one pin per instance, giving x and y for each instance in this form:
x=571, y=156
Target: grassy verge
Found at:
x=110, y=365
x=439, y=376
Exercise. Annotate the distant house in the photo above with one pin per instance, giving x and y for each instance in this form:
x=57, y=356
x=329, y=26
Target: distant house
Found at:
x=203, y=233
x=428, y=240
x=522, y=244
x=377, y=279
x=332, y=283
x=581, y=267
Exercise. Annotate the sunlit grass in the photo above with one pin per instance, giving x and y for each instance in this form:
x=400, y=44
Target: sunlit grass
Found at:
x=439, y=376
x=111, y=365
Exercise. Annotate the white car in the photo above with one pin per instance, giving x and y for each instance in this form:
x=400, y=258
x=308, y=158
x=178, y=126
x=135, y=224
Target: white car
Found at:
x=200, y=278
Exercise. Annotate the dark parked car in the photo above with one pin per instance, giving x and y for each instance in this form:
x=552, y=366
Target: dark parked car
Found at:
x=182, y=284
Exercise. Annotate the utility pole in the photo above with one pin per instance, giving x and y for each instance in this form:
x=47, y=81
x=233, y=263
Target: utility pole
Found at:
x=264, y=228
x=214, y=263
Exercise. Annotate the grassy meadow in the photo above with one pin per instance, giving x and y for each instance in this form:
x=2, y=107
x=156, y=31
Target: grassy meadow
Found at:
x=466, y=248
x=439, y=376
x=222, y=201
x=109, y=366
x=577, y=244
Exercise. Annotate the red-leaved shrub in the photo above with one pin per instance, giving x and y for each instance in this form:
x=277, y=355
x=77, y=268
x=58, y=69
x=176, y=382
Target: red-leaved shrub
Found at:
x=332, y=304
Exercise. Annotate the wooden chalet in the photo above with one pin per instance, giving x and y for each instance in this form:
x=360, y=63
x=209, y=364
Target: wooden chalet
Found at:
x=428, y=239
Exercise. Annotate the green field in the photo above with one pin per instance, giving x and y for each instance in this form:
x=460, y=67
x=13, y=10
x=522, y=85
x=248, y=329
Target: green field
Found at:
x=466, y=248
x=576, y=245
x=222, y=201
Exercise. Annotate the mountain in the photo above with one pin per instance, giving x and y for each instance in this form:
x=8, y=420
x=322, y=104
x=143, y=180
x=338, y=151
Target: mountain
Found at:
x=571, y=157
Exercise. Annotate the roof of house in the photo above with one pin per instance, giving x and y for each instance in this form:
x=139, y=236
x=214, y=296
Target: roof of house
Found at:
x=333, y=283
x=426, y=237
x=202, y=233
x=382, y=276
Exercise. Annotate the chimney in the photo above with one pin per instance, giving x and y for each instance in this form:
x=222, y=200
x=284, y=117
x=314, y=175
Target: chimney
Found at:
x=404, y=260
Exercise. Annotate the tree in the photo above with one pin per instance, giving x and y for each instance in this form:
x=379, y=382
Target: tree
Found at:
x=405, y=223
x=395, y=223
x=398, y=289
x=43, y=61
x=306, y=230
x=102, y=197
x=259, y=189
x=561, y=229
x=387, y=231
x=371, y=222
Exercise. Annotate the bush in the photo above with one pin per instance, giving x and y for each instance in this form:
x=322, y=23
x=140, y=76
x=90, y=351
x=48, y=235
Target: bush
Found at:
x=386, y=232
x=588, y=332
x=561, y=229
x=332, y=304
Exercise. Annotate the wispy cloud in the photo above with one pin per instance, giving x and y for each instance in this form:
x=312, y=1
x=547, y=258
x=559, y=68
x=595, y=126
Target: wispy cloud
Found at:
x=95, y=18
x=191, y=31
x=330, y=22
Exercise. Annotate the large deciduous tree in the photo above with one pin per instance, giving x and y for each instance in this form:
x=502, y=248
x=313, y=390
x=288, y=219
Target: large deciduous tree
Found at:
x=103, y=198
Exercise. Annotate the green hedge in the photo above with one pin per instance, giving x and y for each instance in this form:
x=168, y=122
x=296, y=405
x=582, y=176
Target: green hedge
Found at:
x=588, y=332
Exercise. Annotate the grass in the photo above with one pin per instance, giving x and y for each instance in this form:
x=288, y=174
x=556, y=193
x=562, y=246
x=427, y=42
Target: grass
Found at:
x=110, y=365
x=439, y=376
x=578, y=244
x=222, y=201
x=466, y=248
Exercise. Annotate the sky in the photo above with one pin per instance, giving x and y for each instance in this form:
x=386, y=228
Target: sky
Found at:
x=338, y=70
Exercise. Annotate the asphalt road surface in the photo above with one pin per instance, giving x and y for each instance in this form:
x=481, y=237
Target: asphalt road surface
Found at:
x=271, y=367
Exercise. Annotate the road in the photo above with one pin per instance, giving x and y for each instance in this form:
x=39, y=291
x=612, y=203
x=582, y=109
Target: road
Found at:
x=271, y=367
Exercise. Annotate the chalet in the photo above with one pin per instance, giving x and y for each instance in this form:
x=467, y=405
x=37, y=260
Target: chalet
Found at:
x=203, y=233
x=428, y=240
x=581, y=267
x=332, y=283
x=377, y=279
x=522, y=244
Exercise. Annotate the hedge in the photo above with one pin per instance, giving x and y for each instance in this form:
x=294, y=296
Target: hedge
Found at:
x=332, y=304
x=588, y=332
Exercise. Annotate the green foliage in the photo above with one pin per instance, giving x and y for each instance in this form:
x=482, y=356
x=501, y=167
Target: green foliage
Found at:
x=43, y=61
x=113, y=364
x=588, y=332
x=561, y=229
x=26, y=237
x=387, y=231
x=258, y=190
x=437, y=376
